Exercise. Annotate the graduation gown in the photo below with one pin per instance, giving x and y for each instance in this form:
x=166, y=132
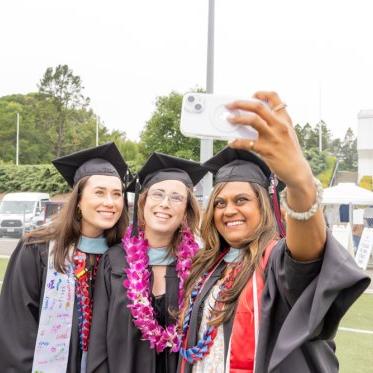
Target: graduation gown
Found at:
x=115, y=342
x=21, y=296
x=302, y=305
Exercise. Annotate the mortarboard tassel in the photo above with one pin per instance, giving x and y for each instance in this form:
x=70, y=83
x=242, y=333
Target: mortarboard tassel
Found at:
x=276, y=204
x=135, y=208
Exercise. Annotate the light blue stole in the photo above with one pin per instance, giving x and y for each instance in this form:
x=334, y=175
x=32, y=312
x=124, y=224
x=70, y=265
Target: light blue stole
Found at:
x=88, y=245
x=159, y=256
x=233, y=255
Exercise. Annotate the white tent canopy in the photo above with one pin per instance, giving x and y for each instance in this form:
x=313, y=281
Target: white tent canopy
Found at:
x=347, y=193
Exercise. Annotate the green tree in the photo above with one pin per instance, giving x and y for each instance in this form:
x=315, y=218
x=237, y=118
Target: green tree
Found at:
x=37, y=118
x=317, y=160
x=63, y=91
x=162, y=131
x=130, y=150
x=33, y=141
x=348, y=152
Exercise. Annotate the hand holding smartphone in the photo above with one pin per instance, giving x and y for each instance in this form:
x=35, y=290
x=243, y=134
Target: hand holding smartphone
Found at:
x=204, y=115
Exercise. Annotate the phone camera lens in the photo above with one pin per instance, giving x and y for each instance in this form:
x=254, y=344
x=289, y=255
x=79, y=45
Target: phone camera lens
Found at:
x=191, y=98
x=198, y=106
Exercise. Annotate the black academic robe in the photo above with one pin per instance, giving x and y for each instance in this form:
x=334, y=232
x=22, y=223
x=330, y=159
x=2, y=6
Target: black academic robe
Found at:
x=115, y=344
x=302, y=305
x=21, y=296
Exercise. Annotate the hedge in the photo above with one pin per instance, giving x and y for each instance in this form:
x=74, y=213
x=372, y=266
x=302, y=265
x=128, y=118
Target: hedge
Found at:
x=32, y=178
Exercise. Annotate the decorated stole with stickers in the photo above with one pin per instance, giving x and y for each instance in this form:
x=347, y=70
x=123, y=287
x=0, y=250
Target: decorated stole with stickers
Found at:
x=241, y=356
x=54, y=332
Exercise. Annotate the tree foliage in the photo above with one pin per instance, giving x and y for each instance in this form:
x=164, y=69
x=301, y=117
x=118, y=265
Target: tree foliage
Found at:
x=57, y=120
x=348, y=152
x=162, y=131
x=41, y=178
x=345, y=151
x=63, y=92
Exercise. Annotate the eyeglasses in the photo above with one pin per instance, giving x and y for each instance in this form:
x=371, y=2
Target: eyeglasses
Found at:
x=159, y=195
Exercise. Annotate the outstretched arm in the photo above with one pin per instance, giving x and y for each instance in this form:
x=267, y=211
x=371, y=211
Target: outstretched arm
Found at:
x=278, y=145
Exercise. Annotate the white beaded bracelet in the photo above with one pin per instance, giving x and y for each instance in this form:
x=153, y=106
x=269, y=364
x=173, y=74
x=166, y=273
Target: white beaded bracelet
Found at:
x=307, y=214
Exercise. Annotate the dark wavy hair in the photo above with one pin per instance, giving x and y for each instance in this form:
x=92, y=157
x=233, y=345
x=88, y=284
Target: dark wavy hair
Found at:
x=253, y=246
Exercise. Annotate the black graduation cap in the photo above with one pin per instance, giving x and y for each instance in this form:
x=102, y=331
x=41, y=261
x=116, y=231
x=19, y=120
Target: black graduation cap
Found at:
x=240, y=165
x=160, y=167
x=100, y=160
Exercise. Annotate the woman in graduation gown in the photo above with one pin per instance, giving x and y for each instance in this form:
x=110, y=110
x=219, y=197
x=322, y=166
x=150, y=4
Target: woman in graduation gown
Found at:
x=255, y=302
x=139, y=286
x=46, y=297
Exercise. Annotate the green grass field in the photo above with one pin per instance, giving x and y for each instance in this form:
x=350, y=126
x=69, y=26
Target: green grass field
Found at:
x=3, y=264
x=354, y=350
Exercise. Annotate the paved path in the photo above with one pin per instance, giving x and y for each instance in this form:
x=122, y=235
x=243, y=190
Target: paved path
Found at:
x=7, y=245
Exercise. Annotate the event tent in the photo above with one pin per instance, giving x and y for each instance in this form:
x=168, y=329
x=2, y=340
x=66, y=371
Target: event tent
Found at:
x=347, y=193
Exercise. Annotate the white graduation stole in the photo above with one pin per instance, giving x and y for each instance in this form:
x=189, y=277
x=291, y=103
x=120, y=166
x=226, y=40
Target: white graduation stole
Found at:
x=53, y=341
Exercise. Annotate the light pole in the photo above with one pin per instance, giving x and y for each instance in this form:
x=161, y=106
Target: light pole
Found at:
x=206, y=149
x=320, y=120
x=97, y=120
x=17, y=140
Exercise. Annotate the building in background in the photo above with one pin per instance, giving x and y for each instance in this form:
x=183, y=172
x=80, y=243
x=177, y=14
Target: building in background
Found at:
x=365, y=143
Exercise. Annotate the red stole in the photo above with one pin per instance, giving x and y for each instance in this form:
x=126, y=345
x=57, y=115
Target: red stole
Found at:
x=242, y=349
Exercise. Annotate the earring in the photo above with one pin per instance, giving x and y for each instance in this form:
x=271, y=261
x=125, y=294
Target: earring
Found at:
x=79, y=213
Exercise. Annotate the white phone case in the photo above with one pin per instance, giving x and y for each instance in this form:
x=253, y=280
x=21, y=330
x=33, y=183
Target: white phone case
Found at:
x=203, y=115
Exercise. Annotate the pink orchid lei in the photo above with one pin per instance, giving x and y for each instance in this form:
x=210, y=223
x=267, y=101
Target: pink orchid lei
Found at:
x=138, y=289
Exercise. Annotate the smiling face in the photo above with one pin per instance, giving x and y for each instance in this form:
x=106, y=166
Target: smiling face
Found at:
x=101, y=204
x=236, y=212
x=164, y=211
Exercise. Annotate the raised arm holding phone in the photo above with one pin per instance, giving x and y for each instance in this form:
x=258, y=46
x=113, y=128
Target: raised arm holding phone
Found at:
x=256, y=302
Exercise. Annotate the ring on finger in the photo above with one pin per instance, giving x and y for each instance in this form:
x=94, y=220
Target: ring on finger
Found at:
x=279, y=107
x=251, y=144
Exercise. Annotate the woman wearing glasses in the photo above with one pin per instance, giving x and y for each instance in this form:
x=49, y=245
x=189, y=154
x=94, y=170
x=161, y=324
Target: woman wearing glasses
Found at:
x=139, y=286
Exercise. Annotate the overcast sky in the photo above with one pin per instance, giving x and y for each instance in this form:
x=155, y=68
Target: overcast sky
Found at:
x=129, y=52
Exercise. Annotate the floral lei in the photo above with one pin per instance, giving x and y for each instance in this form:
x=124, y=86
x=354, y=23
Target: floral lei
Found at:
x=83, y=286
x=137, y=285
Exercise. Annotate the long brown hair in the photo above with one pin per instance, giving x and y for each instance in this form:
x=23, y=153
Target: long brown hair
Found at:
x=192, y=215
x=253, y=248
x=65, y=228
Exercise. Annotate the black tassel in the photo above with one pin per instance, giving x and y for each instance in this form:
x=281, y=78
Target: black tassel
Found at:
x=275, y=200
x=126, y=179
x=135, y=228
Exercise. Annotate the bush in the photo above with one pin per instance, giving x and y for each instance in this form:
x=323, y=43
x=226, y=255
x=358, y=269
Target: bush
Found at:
x=326, y=175
x=32, y=178
x=366, y=182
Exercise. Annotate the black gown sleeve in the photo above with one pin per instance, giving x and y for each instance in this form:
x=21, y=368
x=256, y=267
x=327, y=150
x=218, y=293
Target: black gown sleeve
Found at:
x=329, y=286
x=97, y=351
x=302, y=305
x=19, y=306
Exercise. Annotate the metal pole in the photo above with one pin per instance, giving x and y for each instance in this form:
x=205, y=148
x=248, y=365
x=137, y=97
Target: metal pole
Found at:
x=17, y=141
x=206, y=150
x=97, y=120
x=320, y=115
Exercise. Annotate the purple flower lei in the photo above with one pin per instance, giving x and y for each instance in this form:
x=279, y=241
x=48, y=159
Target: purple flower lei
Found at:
x=137, y=285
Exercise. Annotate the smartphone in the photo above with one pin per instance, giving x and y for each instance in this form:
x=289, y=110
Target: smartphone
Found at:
x=204, y=115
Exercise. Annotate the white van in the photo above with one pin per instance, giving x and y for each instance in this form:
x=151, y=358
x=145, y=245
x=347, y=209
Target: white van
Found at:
x=17, y=211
